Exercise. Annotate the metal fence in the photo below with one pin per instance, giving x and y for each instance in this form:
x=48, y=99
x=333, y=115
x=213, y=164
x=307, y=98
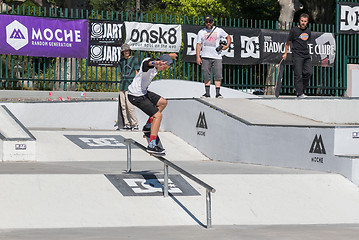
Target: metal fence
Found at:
x=44, y=73
x=347, y=52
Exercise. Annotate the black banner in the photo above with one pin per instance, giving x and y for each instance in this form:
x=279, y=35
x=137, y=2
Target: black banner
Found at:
x=260, y=46
x=105, y=43
x=348, y=18
x=321, y=47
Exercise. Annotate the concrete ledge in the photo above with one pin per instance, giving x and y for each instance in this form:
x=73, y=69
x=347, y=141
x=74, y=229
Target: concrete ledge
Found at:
x=16, y=142
x=326, y=110
x=305, y=144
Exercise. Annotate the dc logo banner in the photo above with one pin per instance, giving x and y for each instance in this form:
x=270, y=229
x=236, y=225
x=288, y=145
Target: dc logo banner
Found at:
x=349, y=18
x=150, y=185
x=97, y=141
x=250, y=47
x=191, y=43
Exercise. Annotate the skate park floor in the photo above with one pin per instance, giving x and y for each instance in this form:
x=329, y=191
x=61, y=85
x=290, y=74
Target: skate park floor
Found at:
x=61, y=157
x=277, y=232
x=331, y=217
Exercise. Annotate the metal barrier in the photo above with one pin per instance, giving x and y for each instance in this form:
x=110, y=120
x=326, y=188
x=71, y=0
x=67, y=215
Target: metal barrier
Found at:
x=46, y=73
x=167, y=163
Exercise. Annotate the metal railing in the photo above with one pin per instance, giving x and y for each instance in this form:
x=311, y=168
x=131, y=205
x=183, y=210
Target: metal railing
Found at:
x=167, y=164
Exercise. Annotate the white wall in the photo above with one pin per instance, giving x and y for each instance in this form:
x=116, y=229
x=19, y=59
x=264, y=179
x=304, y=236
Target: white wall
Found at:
x=228, y=139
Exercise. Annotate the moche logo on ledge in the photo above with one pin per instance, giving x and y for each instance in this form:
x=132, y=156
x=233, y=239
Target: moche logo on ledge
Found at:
x=317, y=148
x=317, y=145
x=201, y=123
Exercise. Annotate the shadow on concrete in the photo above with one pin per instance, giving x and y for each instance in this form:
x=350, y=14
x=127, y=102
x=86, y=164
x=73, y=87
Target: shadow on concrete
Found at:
x=187, y=211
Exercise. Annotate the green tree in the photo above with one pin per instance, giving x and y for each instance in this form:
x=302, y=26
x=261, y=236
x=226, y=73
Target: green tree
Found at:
x=193, y=8
x=247, y=9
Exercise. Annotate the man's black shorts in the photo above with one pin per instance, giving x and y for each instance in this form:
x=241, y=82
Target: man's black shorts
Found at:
x=147, y=103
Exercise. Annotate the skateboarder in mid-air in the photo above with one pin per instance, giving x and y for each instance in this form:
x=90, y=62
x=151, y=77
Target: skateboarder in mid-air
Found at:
x=149, y=102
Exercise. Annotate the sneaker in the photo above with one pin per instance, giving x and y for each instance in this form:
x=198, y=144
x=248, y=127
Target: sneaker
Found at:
x=219, y=96
x=156, y=151
x=126, y=127
x=134, y=128
x=146, y=128
x=302, y=96
x=205, y=96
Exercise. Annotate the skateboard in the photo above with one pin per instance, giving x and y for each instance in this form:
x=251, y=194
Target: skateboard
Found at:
x=158, y=143
x=280, y=69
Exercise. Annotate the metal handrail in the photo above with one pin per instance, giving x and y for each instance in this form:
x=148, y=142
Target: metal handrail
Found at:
x=167, y=163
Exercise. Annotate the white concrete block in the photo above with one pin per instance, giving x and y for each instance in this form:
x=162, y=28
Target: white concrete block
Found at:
x=346, y=141
x=17, y=143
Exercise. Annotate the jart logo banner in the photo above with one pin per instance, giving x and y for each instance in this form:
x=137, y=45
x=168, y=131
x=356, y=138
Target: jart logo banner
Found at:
x=105, y=32
x=105, y=43
x=43, y=37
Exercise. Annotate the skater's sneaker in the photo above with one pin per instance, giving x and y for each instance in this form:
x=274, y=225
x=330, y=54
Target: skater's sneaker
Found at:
x=219, y=96
x=205, y=96
x=134, y=128
x=147, y=127
x=156, y=150
x=126, y=127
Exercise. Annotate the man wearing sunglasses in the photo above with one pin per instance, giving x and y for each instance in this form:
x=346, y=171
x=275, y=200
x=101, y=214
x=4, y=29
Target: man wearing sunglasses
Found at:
x=209, y=49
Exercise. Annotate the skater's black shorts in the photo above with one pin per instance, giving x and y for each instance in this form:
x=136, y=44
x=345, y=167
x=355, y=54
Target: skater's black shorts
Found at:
x=147, y=103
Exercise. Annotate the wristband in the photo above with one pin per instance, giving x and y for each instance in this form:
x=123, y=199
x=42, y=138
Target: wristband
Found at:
x=153, y=63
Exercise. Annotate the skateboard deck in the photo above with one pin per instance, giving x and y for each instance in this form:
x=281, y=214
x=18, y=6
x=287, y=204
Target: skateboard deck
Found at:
x=280, y=70
x=158, y=142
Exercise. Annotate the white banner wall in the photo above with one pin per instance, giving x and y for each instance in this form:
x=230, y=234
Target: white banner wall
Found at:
x=153, y=37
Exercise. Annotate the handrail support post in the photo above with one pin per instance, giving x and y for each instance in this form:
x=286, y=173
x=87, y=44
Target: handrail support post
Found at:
x=165, y=190
x=208, y=204
x=128, y=156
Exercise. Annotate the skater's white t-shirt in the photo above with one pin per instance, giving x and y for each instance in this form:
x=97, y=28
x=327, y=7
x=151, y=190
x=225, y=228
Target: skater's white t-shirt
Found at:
x=142, y=80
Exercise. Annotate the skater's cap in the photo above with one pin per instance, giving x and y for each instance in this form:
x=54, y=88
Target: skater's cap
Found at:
x=125, y=47
x=166, y=58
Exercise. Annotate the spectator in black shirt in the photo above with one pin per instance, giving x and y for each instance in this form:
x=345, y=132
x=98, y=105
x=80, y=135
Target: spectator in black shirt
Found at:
x=299, y=37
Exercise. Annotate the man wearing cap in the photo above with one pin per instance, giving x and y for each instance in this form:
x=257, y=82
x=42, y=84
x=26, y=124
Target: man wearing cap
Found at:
x=128, y=67
x=209, y=55
x=149, y=102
